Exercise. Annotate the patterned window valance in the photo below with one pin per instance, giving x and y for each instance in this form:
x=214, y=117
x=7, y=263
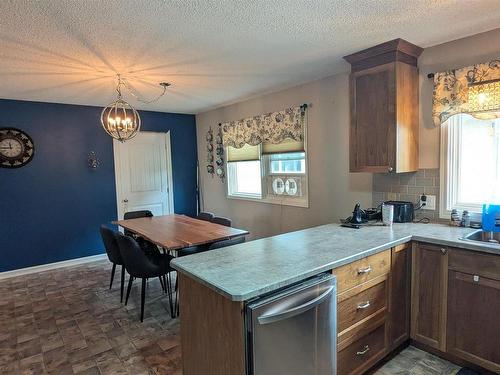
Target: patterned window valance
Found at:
x=451, y=91
x=274, y=128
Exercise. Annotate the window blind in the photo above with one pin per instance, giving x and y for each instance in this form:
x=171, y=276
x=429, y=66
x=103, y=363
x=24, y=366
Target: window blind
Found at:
x=245, y=153
x=286, y=146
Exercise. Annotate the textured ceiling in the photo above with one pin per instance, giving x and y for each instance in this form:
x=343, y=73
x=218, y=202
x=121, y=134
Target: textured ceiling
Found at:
x=213, y=52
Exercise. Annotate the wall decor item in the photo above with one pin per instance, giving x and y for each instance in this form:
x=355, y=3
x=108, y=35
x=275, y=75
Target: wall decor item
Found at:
x=93, y=161
x=474, y=89
x=119, y=119
x=16, y=148
x=210, y=148
x=219, y=161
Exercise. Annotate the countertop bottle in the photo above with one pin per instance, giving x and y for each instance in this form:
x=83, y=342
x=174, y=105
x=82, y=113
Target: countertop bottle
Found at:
x=465, y=218
x=455, y=218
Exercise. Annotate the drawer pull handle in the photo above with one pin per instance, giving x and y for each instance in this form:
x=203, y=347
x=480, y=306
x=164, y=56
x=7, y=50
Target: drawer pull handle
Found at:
x=365, y=350
x=362, y=271
x=364, y=305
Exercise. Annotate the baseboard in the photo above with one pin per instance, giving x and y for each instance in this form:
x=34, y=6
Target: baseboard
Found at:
x=51, y=266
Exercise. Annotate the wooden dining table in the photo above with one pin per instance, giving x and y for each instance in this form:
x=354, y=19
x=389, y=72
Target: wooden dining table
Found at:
x=175, y=232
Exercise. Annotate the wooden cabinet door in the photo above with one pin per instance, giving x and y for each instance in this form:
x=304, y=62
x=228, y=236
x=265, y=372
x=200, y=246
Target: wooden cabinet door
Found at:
x=429, y=294
x=473, y=319
x=373, y=119
x=399, y=295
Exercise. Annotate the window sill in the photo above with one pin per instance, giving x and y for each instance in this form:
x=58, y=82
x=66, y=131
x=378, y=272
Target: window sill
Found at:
x=304, y=203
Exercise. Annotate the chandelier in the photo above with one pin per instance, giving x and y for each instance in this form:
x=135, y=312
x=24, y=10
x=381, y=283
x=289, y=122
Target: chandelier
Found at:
x=119, y=119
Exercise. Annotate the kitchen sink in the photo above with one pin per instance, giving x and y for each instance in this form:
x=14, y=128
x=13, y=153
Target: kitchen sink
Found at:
x=483, y=236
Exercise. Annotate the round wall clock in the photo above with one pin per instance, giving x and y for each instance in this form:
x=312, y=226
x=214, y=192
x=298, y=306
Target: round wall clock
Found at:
x=16, y=148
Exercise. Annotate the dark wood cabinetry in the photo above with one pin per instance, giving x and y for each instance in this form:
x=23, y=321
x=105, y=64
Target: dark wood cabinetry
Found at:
x=399, y=300
x=429, y=291
x=384, y=108
x=473, y=327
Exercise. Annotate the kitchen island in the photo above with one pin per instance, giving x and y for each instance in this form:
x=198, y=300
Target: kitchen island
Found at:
x=216, y=286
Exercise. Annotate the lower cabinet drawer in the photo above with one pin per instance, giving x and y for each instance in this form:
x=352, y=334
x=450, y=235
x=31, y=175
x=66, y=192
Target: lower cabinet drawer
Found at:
x=362, y=353
x=354, y=308
x=362, y=270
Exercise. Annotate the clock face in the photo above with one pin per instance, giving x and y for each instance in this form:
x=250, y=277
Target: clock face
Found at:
x=16, y=148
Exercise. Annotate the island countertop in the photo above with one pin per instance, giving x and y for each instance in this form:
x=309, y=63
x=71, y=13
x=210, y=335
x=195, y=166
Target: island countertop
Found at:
x=242, y=272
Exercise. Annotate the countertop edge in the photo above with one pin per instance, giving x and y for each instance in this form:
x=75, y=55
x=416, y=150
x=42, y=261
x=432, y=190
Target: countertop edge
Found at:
x=462, y=244
x=295, y=279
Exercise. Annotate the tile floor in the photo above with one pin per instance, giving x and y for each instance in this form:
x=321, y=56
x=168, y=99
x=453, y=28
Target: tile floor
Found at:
x=67, y=321
x=413, y=361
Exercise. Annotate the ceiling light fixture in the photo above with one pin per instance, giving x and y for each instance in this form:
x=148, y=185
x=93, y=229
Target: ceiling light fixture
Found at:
x=119, y=119
x=484, y=97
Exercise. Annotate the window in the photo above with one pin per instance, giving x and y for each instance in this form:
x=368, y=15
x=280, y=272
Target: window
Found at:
x=470, y=163
x=278, y=178
x=294, y=162
x=244, y=179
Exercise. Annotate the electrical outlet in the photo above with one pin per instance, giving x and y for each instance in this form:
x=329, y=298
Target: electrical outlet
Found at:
x=428, y=202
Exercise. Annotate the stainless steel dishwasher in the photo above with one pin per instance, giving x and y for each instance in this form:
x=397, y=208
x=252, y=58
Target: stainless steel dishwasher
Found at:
x=294, y=331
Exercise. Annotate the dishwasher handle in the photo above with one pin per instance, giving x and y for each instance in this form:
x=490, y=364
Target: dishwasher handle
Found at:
x=276, y=317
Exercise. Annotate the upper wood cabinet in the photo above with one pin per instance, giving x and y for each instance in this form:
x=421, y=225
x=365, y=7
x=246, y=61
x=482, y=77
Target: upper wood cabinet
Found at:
x=384, y=108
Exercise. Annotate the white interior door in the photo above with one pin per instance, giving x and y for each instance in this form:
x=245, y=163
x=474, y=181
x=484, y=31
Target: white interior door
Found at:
x=143, y=172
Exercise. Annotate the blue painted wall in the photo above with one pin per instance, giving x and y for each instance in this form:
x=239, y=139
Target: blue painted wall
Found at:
x=51, y=209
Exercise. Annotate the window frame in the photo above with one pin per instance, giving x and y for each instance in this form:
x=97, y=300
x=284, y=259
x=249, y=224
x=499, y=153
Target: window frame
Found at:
x=265, y=168
x=270, y=173
x=449, y=169
x=245, y=196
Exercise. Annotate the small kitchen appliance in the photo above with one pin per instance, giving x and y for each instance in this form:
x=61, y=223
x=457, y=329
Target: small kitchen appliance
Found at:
x=404, y=212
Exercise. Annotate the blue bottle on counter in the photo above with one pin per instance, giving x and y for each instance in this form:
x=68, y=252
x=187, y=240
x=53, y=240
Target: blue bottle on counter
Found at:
x=491, y=217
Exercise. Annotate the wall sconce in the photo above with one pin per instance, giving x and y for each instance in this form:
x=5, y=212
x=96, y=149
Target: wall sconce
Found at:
x=93, y=161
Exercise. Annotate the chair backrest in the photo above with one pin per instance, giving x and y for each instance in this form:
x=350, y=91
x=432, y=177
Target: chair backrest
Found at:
x=134, y=259
x=135, y=215
x=110, y=244
x=207, y=216
x=222, y=221
x=225, y=243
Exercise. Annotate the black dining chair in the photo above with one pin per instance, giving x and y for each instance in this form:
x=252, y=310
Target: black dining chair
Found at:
x=146, y=246
x=141, y=266
x=207, y=216
x=225, y=243
x=135, y=215
x=221, y=221
x=114, y=256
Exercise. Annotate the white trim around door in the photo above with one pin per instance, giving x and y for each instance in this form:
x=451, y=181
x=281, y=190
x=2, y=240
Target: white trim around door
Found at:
x=120, y=198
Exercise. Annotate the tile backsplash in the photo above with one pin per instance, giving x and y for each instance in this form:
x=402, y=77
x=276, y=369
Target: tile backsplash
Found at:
x=408, y=187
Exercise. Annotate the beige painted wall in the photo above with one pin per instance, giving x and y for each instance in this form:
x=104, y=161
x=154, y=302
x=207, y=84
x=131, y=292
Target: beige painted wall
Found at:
x=456, y=54
x=332, y=189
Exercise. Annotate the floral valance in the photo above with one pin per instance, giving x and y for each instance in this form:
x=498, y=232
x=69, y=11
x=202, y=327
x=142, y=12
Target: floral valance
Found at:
x=275, y=127
x=451, y=90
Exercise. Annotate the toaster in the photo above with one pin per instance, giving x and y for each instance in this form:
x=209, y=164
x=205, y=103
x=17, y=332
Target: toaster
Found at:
x=404, y=212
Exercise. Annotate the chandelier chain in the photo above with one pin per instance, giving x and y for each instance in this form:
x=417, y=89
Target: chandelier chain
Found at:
x=138, y=98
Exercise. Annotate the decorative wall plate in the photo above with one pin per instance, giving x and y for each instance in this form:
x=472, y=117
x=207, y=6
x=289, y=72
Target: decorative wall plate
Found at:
x=220, y=172
x=278, y=186
x=16, y=148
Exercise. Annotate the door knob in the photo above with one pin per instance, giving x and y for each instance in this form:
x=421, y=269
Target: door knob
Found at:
x=125, y=201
